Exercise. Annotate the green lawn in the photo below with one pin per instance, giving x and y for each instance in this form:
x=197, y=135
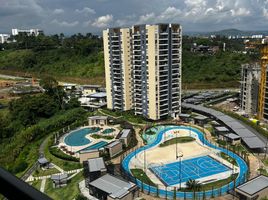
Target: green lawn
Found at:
x=65, y=165
x=97, y=136
x=126, y=115
x=228, y=158
x=36, y=184
x=183, y=139
x=68, y=192
x=215, y=185
x=139, y=174
x=218, y=184
x=41, y=172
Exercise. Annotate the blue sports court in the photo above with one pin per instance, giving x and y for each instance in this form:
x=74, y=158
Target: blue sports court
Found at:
x=194, y=169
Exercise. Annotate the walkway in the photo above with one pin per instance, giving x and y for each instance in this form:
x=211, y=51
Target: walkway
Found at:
x=241, y=163
x=43, y=184
x=84, y=190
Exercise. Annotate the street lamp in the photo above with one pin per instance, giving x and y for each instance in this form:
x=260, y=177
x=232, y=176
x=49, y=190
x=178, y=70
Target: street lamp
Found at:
x=180, y=156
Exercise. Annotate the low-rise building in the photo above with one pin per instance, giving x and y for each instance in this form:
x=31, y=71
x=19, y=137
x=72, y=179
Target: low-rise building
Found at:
x=185, y=117
x=114, y=148
x=59, y=180
x=98, y=120
x=256, y=188
x=220, y=131
x=4, y=38
x=90, y=89
x=88, y=154
x=94, y=169
x=109, y=187
x=250, y=79
x=29, y=32
x=232, y=138
x=200, y=120
x=124, y=137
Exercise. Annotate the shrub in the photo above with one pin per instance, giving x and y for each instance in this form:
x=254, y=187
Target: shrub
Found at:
x=59, y=154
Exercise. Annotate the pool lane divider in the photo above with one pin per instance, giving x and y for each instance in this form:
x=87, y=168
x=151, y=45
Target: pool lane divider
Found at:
x=241, y=178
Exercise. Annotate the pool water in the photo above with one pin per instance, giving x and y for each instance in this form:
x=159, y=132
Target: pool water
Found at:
x=77, y=138
x=108, y=130
x=96, y=146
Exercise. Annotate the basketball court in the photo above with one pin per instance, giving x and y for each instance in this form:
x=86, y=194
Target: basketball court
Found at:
x=195, y=168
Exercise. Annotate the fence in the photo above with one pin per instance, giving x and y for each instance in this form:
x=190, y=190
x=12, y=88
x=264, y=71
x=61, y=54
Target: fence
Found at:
x=173, y=192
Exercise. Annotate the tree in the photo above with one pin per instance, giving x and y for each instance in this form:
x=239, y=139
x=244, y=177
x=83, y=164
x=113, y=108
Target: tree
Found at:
x=53, y=89
x=193, y=185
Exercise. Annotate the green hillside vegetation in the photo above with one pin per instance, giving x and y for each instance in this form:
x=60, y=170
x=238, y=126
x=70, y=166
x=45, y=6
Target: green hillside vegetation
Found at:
x=79, y=58
x=30, y=119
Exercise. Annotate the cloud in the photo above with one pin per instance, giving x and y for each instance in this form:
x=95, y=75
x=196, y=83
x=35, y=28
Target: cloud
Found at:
x=58, y=11
x=170, y=13
x=103, y=21
x=240, y=12
x=64, y=23
x=93, y=16
x=86, y=11
x=147, y=18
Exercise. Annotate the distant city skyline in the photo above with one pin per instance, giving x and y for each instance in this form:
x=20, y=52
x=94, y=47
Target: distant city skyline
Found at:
x=73, y=16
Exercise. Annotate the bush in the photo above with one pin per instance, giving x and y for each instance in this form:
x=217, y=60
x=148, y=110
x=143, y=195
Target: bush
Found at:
x=59, y=154
x=20, y=166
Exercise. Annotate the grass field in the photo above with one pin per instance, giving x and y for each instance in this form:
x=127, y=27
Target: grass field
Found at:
x=183, y=139
x=64, y=164
x=139, y=174
x=68, y=192
x=40, y=172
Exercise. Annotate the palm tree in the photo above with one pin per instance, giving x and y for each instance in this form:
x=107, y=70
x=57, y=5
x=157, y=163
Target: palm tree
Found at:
x=193, y=185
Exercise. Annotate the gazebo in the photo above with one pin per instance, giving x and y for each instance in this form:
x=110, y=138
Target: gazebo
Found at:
x=43, y=162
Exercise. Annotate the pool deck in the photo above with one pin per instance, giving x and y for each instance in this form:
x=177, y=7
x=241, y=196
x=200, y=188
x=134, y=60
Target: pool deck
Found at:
x=92, y=140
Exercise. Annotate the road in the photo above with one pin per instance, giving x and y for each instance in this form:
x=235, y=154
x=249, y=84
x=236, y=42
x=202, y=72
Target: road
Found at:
x=41, y=150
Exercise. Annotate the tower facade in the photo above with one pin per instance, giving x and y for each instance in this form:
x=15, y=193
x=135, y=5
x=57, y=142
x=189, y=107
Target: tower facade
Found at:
x=155, y=69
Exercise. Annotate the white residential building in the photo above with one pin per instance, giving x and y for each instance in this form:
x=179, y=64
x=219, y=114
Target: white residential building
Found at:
x=34, y=32
x=4, y=38
x=250, y=79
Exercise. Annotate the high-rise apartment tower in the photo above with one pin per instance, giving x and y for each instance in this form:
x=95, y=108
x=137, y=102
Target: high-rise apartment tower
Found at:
x=143, y=69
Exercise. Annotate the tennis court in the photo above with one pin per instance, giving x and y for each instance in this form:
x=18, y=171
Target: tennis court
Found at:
x=194, y=168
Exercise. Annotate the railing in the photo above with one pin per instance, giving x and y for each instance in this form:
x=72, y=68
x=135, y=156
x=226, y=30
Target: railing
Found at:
x=173, y=192
x=14, y=188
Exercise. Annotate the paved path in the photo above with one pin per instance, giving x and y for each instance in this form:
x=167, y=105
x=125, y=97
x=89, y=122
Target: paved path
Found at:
x=43, y=184
x=84, y=190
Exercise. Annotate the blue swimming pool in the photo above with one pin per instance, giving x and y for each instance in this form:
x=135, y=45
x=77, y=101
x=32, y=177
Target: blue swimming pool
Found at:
x=77, y=138
x=96, y=146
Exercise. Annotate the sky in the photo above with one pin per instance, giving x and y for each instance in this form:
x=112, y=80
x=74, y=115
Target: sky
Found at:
x=83, y=16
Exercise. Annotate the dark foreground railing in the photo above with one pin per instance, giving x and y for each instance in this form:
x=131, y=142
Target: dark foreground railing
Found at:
x=14, y=188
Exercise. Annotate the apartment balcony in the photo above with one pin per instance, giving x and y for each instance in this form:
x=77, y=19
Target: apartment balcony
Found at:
x=163, y=39
x=163, y=94
x=163, y=33
x=163, y=44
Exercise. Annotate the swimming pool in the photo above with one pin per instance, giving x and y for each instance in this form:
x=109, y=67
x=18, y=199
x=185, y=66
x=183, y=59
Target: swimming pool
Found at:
x=96, y=146
x=77, y=137
x=108, y=130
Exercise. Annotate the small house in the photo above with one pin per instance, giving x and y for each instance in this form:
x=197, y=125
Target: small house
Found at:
x=59, y=180
x=98, y=120
x=114, y=148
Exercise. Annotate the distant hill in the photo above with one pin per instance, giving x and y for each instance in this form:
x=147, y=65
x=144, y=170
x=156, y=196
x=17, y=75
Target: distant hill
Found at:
x=229, y=32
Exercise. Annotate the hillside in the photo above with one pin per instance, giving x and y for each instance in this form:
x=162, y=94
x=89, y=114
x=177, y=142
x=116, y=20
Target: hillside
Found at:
x=228, y=32
x=80, y=59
